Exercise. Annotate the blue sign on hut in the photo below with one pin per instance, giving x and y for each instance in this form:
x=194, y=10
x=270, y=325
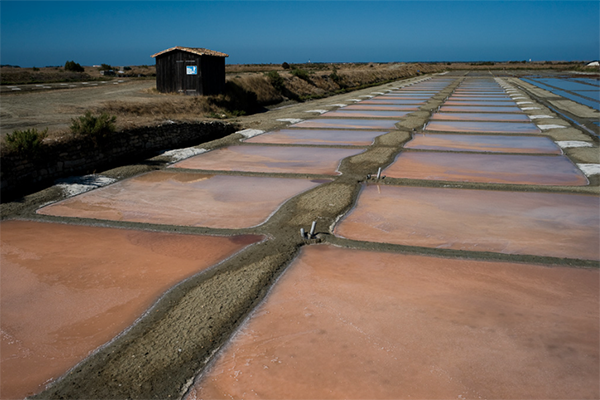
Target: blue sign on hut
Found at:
x=190, y=70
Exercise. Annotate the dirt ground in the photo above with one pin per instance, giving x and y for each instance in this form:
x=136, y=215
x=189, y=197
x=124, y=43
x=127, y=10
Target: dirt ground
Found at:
x=55, y=108
x=200, y=314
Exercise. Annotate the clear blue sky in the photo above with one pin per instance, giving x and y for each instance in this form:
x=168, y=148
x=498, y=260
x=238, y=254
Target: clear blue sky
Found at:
x=128, y=33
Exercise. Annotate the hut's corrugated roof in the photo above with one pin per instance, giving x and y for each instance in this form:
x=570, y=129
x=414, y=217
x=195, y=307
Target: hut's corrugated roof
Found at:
x=195, y=50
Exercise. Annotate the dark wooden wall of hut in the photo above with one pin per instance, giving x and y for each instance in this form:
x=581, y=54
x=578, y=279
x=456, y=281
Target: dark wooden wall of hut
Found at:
x=213, y=73
x=171, y=73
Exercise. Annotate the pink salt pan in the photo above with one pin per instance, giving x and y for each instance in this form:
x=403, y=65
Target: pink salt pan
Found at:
x=482, y=99
x=347, y=123
x=487, y=168
x=543, y=224
x=383, y=100
x=319, y=137
x=483, y=143
x=344, y=113
x=478, y=103
x=66, y=290
x=187, y=199
x=270, y=159
x=392, y=107
x=508, y=117
x=485, y=96
x=478, y=109
x=483, y=127
x=351, y=324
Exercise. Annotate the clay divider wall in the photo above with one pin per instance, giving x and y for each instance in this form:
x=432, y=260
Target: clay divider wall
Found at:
x=21, y=174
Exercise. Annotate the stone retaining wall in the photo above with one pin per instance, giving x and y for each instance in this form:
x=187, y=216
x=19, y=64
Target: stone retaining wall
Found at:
x=21, y=175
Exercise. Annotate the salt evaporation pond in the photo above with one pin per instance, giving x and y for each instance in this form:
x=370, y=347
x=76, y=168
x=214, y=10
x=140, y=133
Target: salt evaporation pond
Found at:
x=391, y=107
x=318, y=137
x=325, y=123
x=482, y=127
x=487, y=168
x=483, y=143
x=354, y=324
x=270, y=159
x=443, y=116
x=481, y=103
x=479, y=109
x=543, y=224
x=187, y=199
x=78, y=287
x=344, y=113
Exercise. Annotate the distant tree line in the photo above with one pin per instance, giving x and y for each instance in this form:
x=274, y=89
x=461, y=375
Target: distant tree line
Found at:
x=73, y=66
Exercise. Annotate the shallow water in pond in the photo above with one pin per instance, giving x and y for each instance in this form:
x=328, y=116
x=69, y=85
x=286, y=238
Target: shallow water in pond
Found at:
x=481, y=96
x=187, y=199
x=393, y=100
x=592, y=100
x=481, y=103
x=382, y=100
x=442, y=116
x=399, y=96
x=484, y=127
x=487, y=168
x=345, y=113
x=347, y=123
x=270, y=159
x=543, y=224
x=472, y=99
x=483, y=143
x=413, y=89
x=479, y=109
x=406, y=95
x=79, y=287
x=355, y=324
x=479, y=91
x=316, y=137
x=390, y=107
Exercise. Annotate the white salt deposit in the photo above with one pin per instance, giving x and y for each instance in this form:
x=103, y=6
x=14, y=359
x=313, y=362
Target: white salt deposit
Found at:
x=79, y=184
x=366, y=95
x=290, y=120
x=540, y=116
x=565, y=144
x=377, y=93
x=354, y=99
x=589, y=169
x=182, y=154
x=524, y=102
x=248, y=133
x=550, y=126
x=339, y=105
x=530, y=108
x=317, y=111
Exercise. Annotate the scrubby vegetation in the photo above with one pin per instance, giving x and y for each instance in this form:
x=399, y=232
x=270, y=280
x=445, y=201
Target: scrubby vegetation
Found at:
x=28, y=142
x=97, y=128
x=22, y=76
x=276, y=80
x=301, y=73
x=73, y=66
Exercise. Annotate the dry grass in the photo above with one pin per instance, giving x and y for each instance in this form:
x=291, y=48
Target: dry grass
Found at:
x=250, y=92
x=170, y=107
x=261, y=86
x=18, y=76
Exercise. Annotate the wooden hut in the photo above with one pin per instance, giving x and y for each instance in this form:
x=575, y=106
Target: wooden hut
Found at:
x=190, y=70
